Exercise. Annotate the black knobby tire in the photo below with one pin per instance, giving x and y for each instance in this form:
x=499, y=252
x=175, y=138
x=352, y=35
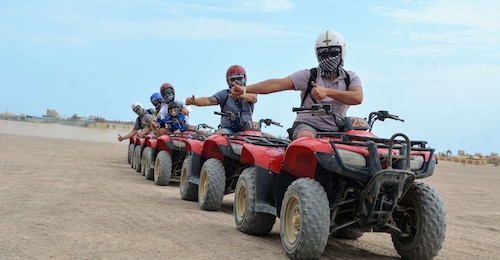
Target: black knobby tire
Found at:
x=163, y=168
x=305, y=220
x=132, y=160
x=130, y=153
x=144, y=158
x=137, y=158
x=148, y=161
x=188, y=190
x=246, y=219
x=423, y=216
x=212, y=183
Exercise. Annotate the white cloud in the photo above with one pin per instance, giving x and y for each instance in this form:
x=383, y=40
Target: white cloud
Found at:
x=454, y=22
x=266, y=5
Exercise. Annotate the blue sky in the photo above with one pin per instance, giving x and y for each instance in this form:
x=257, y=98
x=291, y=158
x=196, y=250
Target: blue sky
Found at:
x=436, y=64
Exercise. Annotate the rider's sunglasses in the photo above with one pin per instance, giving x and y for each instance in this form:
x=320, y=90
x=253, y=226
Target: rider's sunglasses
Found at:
x=167, y=91
x=137, y=109
x=236, y=78
x=331, y=51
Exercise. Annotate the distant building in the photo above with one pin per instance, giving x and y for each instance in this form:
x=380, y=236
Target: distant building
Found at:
x=52, y=113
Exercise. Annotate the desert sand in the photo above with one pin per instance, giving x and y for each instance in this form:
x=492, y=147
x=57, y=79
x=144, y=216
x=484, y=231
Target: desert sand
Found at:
x=69, y=193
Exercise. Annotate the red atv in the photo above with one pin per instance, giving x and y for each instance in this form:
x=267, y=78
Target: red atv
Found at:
x=343, y=184
x=212, y=172
x=136, y=146
x=175, y=147
x=152, y=146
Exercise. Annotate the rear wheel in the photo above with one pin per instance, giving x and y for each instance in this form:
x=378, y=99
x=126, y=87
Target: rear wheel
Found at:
x=421, y=214
x=130, y=153
x=163, y=168
x=189, y=191
x=305, y=223
x=137, y=158
x=246, y=219
x=212, y=183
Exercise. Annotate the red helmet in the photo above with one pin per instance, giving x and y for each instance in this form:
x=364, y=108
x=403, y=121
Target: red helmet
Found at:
x=167, y=91
x=236, y=74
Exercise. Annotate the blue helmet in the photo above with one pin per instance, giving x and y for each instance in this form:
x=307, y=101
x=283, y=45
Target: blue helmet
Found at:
x=157, y=100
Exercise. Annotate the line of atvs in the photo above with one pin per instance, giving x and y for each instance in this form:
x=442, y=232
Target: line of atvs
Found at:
x=339, y=184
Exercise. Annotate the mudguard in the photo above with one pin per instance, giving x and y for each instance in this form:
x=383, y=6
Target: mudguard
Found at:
x=211, y=147
x=263, y=156
x=300, y=159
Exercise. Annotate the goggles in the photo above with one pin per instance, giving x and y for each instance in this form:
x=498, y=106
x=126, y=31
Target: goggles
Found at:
x=137, y=109
x=238, y=79
x=167, y=92
x=327, y=52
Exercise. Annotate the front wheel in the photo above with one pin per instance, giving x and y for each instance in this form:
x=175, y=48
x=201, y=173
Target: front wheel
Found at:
x=163, y=168
x=305, y=219
x=246, y=219
x=189, y=191
x=212, y=183
x=421, y=214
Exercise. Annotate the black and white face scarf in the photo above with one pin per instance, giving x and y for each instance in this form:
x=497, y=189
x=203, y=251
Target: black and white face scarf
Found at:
x=330, y=60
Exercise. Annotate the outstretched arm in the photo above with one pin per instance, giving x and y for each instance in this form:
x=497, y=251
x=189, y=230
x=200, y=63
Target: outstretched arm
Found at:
x=202, y=101
x=127, y=136
x=251, y=98
x=263, y=87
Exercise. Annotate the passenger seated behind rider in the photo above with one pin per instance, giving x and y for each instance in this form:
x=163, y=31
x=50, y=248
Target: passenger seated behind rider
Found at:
x=167, y=91
x=244, y=104
x=332, y=86
x=176, y=120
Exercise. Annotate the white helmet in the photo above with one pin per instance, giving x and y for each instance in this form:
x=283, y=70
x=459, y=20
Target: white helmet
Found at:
x=330, y=38
x=136, y=107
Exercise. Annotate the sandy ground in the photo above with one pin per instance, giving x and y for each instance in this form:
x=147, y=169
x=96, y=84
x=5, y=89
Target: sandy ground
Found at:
x=69, y=193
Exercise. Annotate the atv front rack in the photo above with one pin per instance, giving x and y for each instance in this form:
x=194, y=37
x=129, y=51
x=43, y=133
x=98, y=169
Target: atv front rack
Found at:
x=374, y=159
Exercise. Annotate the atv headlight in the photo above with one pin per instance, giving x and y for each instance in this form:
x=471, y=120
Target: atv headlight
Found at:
x=179, y=144
x=236, y=148
x=352, y=159
x=416, y=162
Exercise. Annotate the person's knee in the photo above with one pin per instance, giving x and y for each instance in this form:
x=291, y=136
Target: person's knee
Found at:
x=221, y=132
x=162, y=131
x=305, y=133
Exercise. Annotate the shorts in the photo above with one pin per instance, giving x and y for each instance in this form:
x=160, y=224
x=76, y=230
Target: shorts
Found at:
x=228, y=130
x=298, y=126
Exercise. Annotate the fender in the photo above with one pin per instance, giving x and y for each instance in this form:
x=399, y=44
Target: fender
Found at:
x=300, y=159
x=150, y=142
x=139, y=141
x=211, y=147
x=263, y=156
x=161, y=143
x=194, y=145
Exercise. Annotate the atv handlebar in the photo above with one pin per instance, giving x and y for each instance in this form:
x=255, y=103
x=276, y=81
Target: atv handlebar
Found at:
x=230, y=115
x=382, y=115
x=205, y=126
x=315, y=109
x=269, y=122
